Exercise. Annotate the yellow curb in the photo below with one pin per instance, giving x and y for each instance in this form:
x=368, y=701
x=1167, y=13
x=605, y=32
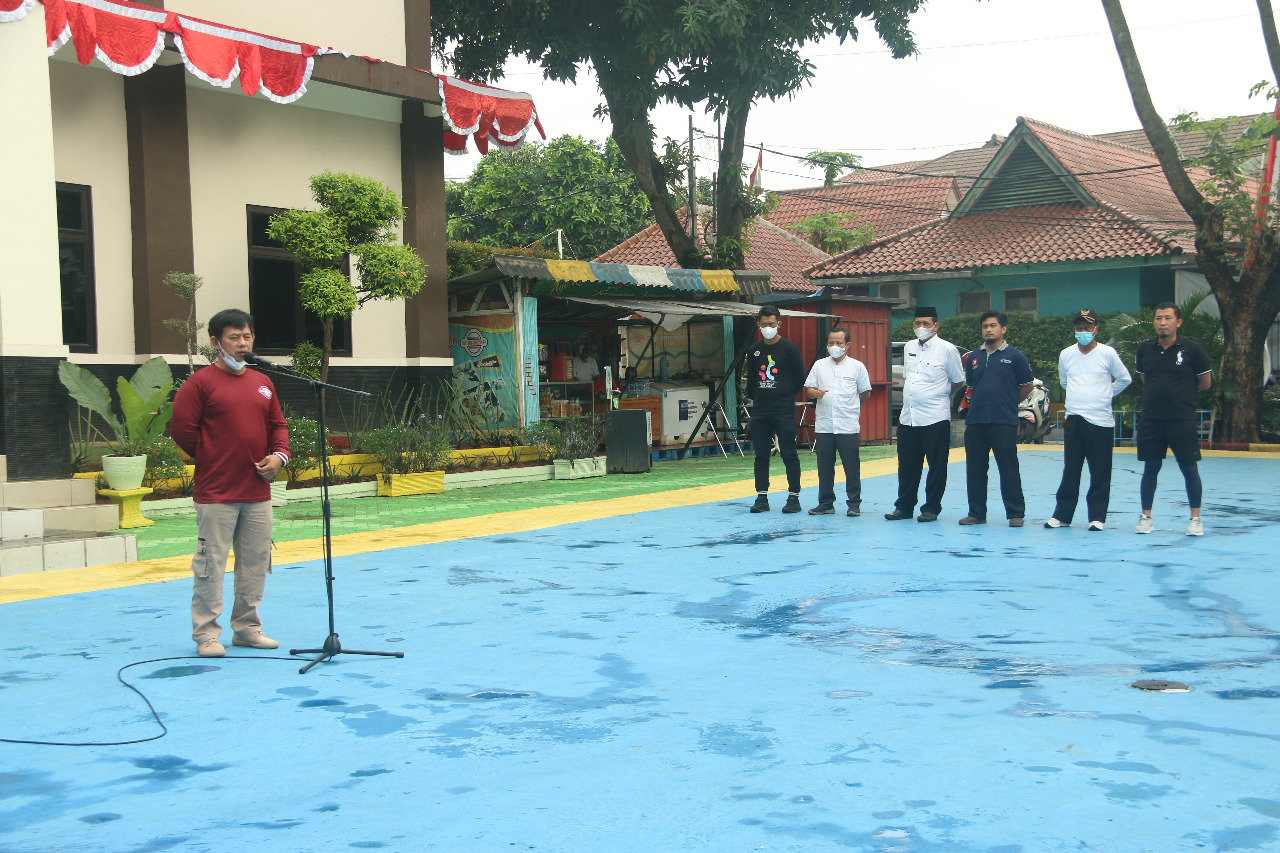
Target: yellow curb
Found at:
x=35, y=585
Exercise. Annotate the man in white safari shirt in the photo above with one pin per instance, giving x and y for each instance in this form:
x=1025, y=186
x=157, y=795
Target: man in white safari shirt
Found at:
x=839, y=384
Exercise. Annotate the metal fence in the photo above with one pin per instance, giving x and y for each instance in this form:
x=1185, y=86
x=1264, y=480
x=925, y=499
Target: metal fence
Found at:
x=1127, y=426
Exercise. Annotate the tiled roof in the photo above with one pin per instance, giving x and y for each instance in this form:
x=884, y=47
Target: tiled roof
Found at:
x=1191, y=143
x=1026, y=235
x=889, y=207
x=964, y=165
x=770, y=248
x=1127, y=180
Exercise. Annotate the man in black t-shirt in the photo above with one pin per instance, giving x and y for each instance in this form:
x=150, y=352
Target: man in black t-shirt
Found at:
x=775, y=374
x=1174, y=370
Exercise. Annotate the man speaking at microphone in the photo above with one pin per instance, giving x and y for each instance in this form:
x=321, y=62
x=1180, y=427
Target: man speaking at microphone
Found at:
x=228, y=418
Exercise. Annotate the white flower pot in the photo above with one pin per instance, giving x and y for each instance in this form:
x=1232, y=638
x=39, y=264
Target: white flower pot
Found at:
x=124, y=473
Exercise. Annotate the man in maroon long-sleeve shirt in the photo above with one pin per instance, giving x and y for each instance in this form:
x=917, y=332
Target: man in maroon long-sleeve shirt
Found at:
x=228, y=418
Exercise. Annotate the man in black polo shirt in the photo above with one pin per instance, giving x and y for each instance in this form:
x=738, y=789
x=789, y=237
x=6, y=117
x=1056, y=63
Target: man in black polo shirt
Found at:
x=999, y=377
x=1174, y=370
x=775, y=375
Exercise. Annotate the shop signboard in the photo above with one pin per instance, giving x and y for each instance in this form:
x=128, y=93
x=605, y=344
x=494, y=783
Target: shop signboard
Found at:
x=485, y=368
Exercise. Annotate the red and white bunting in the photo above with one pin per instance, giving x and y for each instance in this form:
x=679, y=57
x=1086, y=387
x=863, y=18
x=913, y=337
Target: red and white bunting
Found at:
x=128, y=38
x=483, y=112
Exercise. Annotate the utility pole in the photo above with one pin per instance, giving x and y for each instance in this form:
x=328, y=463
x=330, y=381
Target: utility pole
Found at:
x=693, y=189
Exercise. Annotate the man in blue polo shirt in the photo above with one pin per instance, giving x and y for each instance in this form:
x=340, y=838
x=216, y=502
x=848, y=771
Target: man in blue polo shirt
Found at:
x=1174, y=370
x=999, y=377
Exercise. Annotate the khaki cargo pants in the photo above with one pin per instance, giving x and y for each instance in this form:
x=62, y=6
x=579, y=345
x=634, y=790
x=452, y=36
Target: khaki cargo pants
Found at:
x=219, y=527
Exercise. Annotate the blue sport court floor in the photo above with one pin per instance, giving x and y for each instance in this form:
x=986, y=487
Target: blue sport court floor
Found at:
x=672, y=677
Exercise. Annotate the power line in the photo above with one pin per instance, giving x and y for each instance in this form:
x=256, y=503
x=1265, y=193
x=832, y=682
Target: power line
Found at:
x=1027, y=40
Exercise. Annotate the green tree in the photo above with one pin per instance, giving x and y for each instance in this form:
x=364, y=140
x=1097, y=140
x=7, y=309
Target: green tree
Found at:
x=515, y=198
x=1237, y=244
x=722, y=54
x=357, y=216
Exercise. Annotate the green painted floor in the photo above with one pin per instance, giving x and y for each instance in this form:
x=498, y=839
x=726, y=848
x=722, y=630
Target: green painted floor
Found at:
x=173, y=535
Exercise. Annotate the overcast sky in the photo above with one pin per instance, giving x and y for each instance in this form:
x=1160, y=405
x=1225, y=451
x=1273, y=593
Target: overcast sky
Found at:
x=980, y=66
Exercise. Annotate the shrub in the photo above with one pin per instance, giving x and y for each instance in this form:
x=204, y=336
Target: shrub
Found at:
x=304, y=445
x=412, y=447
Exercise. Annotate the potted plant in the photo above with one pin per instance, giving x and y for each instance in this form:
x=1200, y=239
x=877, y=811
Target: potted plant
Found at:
x=412, y=455
x=146, y=409
x=574, y=448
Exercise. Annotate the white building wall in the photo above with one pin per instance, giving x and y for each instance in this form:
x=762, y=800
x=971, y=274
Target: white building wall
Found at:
x=248, y=151
x=90, y=149
x=30, y=291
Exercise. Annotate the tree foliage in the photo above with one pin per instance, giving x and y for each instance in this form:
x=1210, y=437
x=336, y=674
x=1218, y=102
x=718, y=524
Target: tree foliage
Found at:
x=834, y=232
x=516, y=198
x=359, y=216
x=1237, y=240
x=721, y=54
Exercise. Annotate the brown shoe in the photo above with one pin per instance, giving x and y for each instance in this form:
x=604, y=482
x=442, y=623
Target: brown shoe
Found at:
x=972, y=519
x=1015, y=522
x=210, y=649
x=255, y=641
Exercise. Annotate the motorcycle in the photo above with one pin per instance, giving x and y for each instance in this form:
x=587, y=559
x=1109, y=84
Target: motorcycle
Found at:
x=1033, y=415
x=1034, y=422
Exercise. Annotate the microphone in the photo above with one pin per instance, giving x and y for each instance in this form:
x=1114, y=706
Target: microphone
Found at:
x=259, y=360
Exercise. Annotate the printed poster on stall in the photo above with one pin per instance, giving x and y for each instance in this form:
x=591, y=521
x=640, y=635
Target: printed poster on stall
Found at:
x=485, y=370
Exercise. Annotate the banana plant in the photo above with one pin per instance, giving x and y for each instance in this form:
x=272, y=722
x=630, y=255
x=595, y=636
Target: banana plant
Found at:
x=143, y=399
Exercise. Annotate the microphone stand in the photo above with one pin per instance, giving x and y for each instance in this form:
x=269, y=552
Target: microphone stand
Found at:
x=331, y=646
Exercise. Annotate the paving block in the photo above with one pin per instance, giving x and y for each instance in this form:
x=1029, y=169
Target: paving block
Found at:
x=64, y=555
x=104, y=550
x=130, y=547
x=94, y=519
x=21, y=559
x=34, y=494
x=83, y=492
x=21, y=524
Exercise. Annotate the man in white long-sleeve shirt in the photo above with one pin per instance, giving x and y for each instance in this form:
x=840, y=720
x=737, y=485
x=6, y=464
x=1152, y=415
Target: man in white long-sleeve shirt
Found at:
x=1092, y=374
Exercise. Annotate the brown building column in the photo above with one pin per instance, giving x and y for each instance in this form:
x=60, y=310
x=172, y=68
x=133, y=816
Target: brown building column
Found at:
x=422, y=177
x=155, y=106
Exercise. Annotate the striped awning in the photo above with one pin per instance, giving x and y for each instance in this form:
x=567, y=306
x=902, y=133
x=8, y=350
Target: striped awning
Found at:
x=633, y=276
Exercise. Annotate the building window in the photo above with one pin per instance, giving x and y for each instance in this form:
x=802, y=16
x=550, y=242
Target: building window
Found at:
x=1025, y=301
x=75, y=266
x=280, y=321
x=973, y=302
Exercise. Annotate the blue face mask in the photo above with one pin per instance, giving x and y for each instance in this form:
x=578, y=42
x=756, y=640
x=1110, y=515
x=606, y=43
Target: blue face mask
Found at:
x=1084, y=338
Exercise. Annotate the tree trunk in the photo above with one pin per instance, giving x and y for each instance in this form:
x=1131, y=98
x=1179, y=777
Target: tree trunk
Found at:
x=326, y=324
x=731, y=212
x=634, y=135
x=1248, y=305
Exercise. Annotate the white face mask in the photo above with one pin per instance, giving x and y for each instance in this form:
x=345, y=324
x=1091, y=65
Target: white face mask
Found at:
x=237, y=366
x=836, y=352
x=768, y=332
x=923, y=333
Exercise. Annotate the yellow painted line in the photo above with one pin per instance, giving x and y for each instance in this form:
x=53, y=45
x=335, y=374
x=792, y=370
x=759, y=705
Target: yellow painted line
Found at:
x=34, y=585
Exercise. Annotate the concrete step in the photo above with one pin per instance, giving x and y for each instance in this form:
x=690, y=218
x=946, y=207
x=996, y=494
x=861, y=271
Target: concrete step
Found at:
x=58, y=550
x=32, y=523
x=36, y=494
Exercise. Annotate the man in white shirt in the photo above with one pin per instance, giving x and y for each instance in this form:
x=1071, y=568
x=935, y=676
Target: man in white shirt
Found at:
x=1092, y=374
x=839, y=384
x=585, y=366
x=931, y=370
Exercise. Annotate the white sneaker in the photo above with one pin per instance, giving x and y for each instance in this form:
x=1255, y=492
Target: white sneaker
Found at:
x=1096, y=526
x=1145, y=524
x=1195, y=527
x=1054, y=524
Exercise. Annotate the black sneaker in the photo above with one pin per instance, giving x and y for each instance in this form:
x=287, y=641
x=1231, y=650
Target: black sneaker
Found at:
x=792, y=504
x=761, y=504
x=821, y=510
x=897, y=515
